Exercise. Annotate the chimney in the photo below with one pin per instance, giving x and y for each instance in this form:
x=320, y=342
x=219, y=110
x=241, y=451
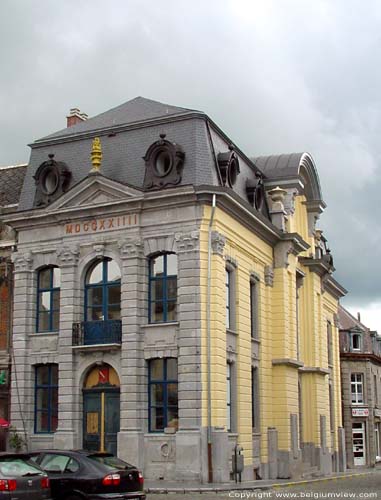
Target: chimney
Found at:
x=75, y=116
x=359, y=317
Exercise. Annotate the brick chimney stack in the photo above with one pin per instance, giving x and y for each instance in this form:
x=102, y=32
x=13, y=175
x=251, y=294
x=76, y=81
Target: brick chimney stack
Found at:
x=75, y=116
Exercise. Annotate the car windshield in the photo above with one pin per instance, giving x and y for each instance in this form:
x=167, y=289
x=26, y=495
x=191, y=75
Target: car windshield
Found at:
x=17, y=467
x=110, y=461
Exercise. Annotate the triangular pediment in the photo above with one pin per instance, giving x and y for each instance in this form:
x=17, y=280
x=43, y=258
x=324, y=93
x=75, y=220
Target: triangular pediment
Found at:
x=93, y=191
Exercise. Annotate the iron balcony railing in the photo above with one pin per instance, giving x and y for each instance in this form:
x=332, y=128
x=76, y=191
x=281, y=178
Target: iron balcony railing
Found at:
x=97, y=332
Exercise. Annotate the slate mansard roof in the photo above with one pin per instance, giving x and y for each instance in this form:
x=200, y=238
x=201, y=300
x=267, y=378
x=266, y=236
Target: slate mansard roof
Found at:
x=11, y=182
x=135, y=111
x=126, y=133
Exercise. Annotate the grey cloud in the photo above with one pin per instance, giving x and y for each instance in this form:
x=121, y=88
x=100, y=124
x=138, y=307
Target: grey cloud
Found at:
x=276, y=76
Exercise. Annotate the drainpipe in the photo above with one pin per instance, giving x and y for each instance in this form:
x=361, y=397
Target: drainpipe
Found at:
x=209, y=349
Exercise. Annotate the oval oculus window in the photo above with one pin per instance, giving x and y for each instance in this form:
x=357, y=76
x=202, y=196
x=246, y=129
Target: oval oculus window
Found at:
x=163, y=163
x=50, y=181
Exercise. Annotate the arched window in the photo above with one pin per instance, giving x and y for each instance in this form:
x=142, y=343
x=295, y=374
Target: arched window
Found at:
x=163, y=288
x=48, y=299
x=102, y=291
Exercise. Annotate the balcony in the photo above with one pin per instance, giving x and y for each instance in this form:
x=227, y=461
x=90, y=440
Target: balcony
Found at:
x=97, y=333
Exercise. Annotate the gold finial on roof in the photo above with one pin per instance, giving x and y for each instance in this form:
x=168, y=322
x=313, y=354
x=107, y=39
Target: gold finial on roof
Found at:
x=96, y=155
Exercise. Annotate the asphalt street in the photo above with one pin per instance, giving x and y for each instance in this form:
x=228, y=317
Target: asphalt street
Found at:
x=359, y=487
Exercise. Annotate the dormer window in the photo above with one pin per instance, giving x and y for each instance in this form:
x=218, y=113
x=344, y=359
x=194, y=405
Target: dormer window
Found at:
x=52, y=179
x=356, y=342
x=228, y=166
x=164, y=164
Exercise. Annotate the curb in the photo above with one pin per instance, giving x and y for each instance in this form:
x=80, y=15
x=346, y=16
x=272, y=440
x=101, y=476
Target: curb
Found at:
x=249, y=487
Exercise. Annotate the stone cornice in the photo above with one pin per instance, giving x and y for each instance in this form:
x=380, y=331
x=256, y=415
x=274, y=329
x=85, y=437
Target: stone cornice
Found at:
x=360, y=356
x=334, y=288
x=293, y=363
x=317, y=266
x=242, y=211
x=315, y=369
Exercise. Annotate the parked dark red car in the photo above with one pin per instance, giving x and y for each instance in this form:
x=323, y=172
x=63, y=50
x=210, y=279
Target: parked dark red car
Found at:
x=88, y=475
x=22, y=478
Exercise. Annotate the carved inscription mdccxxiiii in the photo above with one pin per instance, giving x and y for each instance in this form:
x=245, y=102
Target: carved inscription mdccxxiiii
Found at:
x=100, y=225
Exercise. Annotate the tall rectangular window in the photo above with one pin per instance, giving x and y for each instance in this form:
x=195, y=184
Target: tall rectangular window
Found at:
x=229, y=397
x=329, y=343
x=46, y=398
x=357, y=390
x=228, y=291
x=163, y=288
x=162, y=394
x=375, y=390
x=254, y=399
x=254, y=308
x=331, y=408
x=48, y=299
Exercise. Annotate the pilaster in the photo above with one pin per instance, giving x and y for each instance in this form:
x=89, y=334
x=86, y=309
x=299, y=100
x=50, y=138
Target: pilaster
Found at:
x=69, y=424
x=23, y=323
x=133, y=397
x=188, y=437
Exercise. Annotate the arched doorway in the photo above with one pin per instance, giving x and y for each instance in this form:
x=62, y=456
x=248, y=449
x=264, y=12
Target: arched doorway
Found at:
x=101, y=409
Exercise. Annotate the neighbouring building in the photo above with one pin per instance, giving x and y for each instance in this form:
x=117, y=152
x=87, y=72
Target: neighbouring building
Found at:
x=174, y=299
x=360, y=358
x=11, y=181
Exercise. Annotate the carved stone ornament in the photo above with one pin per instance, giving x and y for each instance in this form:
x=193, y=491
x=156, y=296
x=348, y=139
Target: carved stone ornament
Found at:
x=187, y=242
x=68, y=256
x=269, y=276
x=52, y=180
x=22, y=262
x=228, y=165
x=131, y=248
x=164, y=164
x=218, y=243
x=99, y=249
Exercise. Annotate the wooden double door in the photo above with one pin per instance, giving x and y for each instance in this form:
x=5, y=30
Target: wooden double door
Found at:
x=101, y=419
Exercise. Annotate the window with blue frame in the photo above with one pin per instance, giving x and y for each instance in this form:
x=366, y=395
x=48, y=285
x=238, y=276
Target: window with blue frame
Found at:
x=163, y=288
x=162, y=394
x=102, y=291
x=46, y=398
x=48, y=299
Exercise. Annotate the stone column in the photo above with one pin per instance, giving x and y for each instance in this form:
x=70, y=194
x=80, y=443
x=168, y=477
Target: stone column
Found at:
x=24, y=315
x=133, y=395
x=190, y=455
x=67, y=435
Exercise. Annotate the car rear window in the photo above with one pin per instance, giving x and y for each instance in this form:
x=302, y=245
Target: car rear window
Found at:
x=110, y=461
x=17, y=467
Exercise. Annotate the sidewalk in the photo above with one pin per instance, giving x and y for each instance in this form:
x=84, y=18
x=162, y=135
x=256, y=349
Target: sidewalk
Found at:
x=164, y=487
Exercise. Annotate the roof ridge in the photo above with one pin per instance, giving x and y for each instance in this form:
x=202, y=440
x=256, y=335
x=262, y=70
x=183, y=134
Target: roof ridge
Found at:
x=5, y=167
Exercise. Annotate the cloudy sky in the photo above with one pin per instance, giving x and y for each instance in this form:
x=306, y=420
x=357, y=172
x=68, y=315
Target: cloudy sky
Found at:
x=277, y=76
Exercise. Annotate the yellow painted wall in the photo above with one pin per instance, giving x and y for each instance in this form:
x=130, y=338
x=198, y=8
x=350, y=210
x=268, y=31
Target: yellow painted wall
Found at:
x=278, y=333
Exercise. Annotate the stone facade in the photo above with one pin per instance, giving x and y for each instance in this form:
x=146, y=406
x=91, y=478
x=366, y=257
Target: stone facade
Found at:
x=360, y=357
x=11, y=180
x=256, y=371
